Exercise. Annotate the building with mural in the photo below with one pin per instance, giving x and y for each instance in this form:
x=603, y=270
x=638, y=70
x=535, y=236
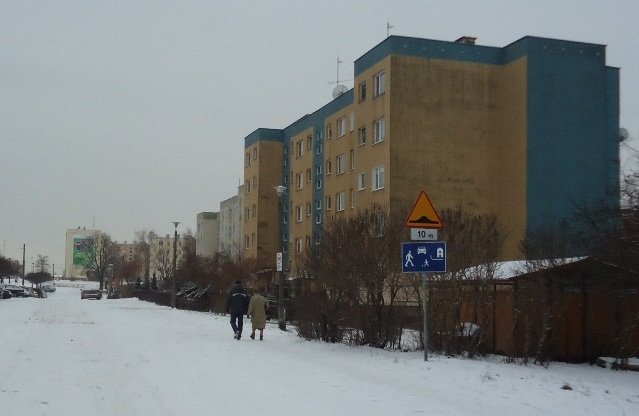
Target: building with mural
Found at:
x=78, y=251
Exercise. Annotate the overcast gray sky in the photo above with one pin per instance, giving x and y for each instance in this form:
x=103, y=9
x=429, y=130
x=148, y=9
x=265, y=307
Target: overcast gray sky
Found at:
x=128, y=115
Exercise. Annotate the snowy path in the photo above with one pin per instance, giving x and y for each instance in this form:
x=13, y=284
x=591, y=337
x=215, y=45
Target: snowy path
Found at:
x=66, y=356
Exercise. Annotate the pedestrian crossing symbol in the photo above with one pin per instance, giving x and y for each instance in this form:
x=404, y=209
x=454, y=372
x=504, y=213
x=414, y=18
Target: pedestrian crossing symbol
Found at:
x=423, y=214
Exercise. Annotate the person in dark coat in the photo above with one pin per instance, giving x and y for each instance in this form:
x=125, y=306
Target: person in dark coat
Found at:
x=236, y=306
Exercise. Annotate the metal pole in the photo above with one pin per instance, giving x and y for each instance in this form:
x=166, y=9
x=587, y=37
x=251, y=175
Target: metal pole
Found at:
x=281, y=317
x=174, y=265
x=24, y=246
x=425, y=314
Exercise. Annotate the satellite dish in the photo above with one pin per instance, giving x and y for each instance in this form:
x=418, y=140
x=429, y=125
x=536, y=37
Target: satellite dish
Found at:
x=339, y=90
x=623, y=134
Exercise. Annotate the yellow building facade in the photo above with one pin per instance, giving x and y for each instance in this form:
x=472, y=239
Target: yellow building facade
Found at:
x=493, y=130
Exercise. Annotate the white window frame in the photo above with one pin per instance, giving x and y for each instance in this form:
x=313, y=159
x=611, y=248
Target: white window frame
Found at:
x=351, y=155
x=339, y=201
x=318, y=169
x=379, y=130
x=329, y=166
x=318, y=184
x=378, y=178
x=298, y=213
x=340, y=164
x=361, y=136
x=361, y=181
x=380, y=81
x=341, y=127
x=299, y=180
x=299, y=245
x=300, y=148
x=361, y=92
x=318, y=204
x=318, y=218
x=329, y=203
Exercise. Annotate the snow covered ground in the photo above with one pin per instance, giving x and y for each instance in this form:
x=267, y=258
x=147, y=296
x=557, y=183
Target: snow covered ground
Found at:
x=66, y=356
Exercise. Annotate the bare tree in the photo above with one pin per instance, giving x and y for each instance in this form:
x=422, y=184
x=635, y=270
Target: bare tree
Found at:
x=42, y=263
x=101, y=257
x=142, y=238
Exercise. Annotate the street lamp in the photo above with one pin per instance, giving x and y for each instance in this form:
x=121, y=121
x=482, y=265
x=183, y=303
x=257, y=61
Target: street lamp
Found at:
x=175, y=223
x=281, y=310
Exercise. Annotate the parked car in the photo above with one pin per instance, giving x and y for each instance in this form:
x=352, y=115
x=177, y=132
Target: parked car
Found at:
x=91, y=294
x=5, y=294
x=48, y=288
x=16, y=291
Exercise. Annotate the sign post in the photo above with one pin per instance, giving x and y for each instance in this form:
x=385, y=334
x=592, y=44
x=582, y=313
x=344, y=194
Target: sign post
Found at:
x=426, y=256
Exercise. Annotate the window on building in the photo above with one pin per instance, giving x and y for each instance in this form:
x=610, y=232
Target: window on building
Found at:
x=247, y=186
x=298, y=213
x=300, y=148
x=362, y=91
x=339, y=201
x=318, y=218
x=246, y=241
x=299, y=180
x=318, y=204
x=329, y=131
x=361, y=181
x=361, y=134
x=318, y=184
x=380, y=81
x=247, y=214
x=379, y=130
x=254, y=185
x=254, y=211
x=309, y=174
x=352, y=126
x=329, y=166
x=328, y=203
x=339, y=164
x=352, y=198
x=309, y=212
x=318, y=169
x=299, y=245
x=341, y=127
x=247, y=160
x=309, y=142
x=253, y=239
x=378, y=178
x=318, y=149
x=352, y=158
x=255, y=153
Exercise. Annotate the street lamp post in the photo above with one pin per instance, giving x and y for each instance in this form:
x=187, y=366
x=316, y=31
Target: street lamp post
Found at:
x=281, y=309
x=174, y=278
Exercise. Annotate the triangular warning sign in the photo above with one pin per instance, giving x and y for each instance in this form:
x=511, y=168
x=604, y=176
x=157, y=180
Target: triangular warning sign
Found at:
x=423, y=214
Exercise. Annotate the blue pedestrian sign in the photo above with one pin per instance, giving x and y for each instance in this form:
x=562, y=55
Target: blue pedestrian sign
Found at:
x=424, y=257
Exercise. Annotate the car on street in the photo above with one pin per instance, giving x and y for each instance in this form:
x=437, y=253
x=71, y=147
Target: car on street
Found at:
x=16, y=291
x=48, y=288
x=91, y=294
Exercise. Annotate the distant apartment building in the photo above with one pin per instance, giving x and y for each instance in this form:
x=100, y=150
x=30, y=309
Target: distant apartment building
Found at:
x=78, y=251
x=231, y=225
x=130, y=259
x=161, y=255
x=525, y=132
x=207, y=234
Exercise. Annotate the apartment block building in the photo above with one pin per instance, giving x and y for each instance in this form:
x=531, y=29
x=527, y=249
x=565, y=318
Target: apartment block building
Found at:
x=161, y=255
x=207, y=234
x=527, y=132
x=230, y=218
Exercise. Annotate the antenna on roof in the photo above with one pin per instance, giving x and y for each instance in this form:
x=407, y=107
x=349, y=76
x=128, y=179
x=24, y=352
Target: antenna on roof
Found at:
x=339, y=88
x=388, y=28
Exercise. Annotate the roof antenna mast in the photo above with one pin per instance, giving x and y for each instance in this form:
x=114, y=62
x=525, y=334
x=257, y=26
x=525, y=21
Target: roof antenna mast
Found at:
x=388, y=28
x=339, y=88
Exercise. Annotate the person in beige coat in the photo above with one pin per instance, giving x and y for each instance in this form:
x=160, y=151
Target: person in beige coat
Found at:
x=257, y=312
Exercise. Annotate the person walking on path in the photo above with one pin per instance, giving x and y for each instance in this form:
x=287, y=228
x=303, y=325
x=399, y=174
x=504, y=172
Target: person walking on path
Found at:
x=236, y=305
x=257, y=311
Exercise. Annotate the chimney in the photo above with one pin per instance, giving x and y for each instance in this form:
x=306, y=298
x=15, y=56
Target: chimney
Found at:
x=466, y=40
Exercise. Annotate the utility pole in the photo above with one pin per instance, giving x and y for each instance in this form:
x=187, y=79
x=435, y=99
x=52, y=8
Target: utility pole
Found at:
x=425, y=312
x=24, y=246
x=176, y=223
